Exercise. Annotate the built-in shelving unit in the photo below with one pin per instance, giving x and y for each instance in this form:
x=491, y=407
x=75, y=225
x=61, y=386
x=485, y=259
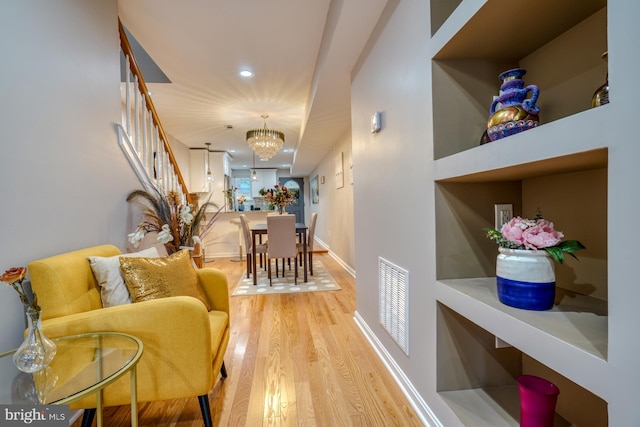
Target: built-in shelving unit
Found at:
x=560, y=45
x=476, y=371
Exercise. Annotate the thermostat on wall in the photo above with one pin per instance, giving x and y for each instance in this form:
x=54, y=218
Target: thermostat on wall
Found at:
x=375, y=122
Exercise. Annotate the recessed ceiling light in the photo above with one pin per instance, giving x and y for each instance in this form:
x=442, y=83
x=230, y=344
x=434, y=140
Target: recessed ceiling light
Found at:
x=246, y=73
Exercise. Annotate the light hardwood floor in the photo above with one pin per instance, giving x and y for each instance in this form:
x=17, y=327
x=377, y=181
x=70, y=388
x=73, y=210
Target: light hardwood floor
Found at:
x=292, y=360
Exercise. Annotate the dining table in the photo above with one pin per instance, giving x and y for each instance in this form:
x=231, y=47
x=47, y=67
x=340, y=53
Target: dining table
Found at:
x=258, y=230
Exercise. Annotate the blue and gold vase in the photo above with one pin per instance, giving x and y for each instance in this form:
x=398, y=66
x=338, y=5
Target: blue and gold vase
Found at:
x=512, y=112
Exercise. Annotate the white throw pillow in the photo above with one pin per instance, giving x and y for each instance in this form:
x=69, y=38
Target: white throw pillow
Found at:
x=113, y=290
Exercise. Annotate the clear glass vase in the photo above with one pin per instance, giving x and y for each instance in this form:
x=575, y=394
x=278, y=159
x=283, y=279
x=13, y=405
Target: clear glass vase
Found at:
x=37, y=351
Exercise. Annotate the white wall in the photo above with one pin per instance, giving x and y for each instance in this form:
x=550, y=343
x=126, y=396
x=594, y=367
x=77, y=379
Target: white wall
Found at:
x=64, y=177
x=334, y=227
x=183, y=158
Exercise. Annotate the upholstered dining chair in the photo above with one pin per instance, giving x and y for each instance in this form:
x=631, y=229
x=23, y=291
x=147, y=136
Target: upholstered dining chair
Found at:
x=261, y=249
x=281, y=235
x=310, y=238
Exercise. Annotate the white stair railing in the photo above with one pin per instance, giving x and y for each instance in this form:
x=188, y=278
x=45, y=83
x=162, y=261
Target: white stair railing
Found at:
x=141, y=135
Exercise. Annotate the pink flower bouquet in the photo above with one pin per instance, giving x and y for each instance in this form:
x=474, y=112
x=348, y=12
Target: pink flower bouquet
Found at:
x=280, y=196
x=534, y=234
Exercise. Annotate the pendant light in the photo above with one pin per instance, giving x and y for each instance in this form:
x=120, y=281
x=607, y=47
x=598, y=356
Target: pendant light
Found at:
x=254, y=175
x=209, y=174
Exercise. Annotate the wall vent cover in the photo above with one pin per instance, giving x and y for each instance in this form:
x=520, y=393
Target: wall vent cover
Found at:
x=394, y=302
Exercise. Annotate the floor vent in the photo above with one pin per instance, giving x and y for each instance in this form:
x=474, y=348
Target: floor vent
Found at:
x=394, y=302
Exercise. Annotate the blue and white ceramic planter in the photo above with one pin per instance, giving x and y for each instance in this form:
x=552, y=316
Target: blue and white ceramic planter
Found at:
x=526, y=279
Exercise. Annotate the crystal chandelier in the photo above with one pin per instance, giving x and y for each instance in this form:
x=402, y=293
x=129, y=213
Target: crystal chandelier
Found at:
x=265, y=142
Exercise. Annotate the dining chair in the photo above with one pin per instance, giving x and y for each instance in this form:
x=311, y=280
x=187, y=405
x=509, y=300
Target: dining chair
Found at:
x=281, y=244
x=310, y=239
x=261, y=249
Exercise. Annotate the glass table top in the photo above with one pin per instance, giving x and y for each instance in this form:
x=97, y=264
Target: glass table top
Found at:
x=83, y=364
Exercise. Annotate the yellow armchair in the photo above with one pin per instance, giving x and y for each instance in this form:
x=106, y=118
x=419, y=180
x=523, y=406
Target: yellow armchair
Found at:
x=184, y=345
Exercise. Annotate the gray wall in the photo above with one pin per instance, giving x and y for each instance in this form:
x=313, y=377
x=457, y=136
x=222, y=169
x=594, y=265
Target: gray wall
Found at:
x=64, y=177
x=394, y=213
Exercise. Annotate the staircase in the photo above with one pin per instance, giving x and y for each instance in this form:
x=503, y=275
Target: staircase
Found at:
x=144, y=142
x=141, y=135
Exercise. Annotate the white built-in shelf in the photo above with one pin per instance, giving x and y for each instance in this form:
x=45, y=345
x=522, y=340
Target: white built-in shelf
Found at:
x=499, y=30
x=491, y=406
x=559, y=44
x=571, y=338
x=537, y=152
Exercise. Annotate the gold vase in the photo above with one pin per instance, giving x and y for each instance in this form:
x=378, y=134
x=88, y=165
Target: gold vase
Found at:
x=601, y=95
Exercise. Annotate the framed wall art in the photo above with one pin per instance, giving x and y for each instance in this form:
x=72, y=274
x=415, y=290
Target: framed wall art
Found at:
x=315, y=192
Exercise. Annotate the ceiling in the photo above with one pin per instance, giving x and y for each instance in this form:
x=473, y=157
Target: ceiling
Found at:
x=302, y=52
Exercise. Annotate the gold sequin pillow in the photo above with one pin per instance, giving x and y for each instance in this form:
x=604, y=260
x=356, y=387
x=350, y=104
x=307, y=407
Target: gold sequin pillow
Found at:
x=152, y=278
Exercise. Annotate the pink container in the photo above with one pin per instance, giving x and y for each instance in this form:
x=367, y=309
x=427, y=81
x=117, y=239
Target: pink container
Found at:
x=538, y=398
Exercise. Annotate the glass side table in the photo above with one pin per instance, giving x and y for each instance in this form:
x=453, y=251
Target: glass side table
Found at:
x=84, y=364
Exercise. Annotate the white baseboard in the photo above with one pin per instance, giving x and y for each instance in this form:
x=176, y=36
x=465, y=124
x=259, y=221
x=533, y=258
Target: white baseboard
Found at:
x=333, y=255
x=221, y=255
x=423, y=411
x=75, y=415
